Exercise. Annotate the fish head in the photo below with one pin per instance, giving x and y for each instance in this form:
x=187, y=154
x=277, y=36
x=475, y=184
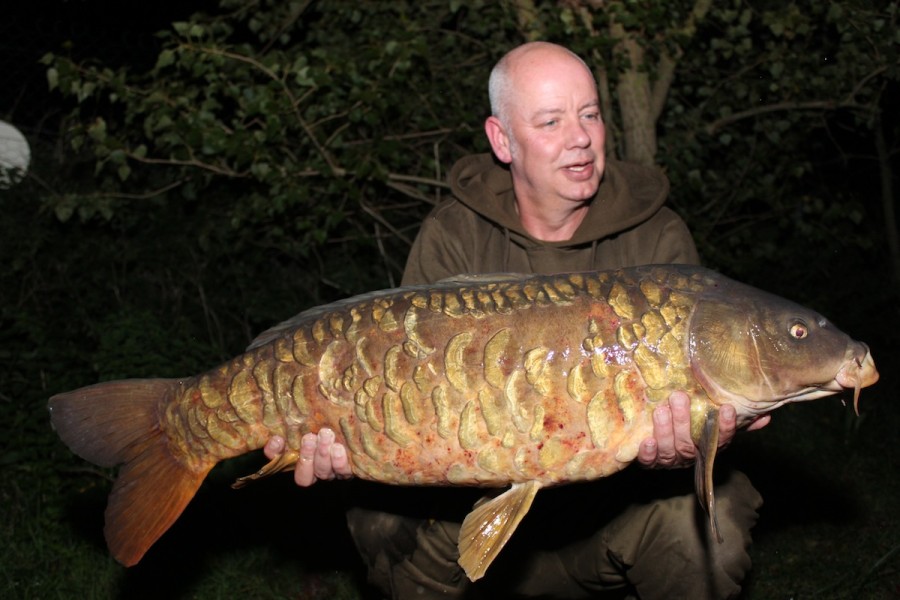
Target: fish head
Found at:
x=758, y=351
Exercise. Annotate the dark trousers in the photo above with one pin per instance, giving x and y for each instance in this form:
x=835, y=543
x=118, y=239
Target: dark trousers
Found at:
x=639, y=533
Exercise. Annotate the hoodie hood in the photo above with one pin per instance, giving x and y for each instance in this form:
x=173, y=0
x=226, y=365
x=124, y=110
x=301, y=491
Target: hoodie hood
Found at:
x=628, y=195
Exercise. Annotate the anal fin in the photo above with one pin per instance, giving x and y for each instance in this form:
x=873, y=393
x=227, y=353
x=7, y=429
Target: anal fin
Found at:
x=489, y=526
x=283, y=462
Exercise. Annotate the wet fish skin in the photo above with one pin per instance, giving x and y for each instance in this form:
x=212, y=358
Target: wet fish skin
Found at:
x=488, y=381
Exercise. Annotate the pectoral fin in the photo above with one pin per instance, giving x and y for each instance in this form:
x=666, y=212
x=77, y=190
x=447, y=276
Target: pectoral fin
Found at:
x=283, y=462
x=489, y=526
x=703, y=469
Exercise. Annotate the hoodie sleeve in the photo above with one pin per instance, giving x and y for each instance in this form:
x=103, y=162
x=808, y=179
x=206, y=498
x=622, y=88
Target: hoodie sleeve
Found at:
x=662, y=239
x=436, y=253
x=674, y=243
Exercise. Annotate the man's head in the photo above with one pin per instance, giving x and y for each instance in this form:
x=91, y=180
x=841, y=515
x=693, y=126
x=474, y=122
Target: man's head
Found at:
x=546, y=124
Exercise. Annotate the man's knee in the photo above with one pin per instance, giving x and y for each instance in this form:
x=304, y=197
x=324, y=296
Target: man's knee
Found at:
x=708, y=568
x=432, y=570
x=408, y=556
x=666, y=548
x=737, y=510
x=376, y=532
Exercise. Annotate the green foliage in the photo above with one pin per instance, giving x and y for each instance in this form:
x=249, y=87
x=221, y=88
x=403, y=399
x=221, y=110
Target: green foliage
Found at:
x=297, y=124
x=774, y=99
x=322, y=131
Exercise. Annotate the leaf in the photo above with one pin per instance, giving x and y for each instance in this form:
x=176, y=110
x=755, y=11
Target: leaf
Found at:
x=52, y=78
x=166, y=58
x=97, y=130
x=64, y=210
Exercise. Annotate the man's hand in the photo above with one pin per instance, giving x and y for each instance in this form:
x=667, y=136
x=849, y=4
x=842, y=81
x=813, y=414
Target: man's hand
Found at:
x=671, y=445
x=320, y=457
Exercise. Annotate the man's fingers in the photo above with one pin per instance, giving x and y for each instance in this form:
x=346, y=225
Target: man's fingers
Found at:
x=672, y=444
x=648, y=452
x=274, y=447
x=680, y=404
x=303, y=473
x=321, y=458
x=727, y=424
x=664, y=435
x=759, y=423
x=340, y=461
x=322, y=467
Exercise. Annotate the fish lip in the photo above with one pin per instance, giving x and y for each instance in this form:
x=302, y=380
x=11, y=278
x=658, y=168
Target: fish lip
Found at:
x=856, y=372
x=858, y=369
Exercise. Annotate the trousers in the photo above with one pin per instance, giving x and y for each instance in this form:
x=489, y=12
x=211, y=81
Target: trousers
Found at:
x=641, y=533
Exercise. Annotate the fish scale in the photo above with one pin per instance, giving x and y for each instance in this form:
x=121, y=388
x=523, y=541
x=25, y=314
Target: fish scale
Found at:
x=382, y=417
x=500, y=380
x=377, y=408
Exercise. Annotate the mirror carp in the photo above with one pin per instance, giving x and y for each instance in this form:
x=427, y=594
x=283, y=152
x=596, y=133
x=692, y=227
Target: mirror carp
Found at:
x=492, y=381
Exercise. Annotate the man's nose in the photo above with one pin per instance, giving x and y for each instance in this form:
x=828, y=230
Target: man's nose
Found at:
x=577, y=135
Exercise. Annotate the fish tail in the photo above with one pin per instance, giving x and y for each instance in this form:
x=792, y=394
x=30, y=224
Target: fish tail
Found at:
x=118, y=423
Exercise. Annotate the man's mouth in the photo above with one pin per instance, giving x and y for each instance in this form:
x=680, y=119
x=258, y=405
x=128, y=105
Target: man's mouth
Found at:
x=582, y=168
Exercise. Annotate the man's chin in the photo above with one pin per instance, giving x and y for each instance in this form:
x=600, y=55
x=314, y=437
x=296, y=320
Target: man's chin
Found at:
x=582, y=192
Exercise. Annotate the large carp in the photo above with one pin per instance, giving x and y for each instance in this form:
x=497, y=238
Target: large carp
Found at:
x=482, y=381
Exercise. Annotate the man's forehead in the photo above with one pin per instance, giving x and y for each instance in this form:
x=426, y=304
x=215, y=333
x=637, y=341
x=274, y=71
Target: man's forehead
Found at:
x=552, y=83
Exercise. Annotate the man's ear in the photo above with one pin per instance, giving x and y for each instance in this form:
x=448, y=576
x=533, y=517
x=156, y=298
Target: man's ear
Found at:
x=498, y=138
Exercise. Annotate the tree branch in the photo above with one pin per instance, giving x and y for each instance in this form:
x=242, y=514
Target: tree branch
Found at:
x=718, y=124
x=633, y=88
x=887, y=200
x=665, y=70
x=295, y=104
x=527, y=18
x=601, y=74
x=186, y=163
x=384, y=222
x=144, y=196
x=848, y=102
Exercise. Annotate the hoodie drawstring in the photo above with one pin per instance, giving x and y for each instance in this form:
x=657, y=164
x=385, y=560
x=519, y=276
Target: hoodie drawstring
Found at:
x=506, y=246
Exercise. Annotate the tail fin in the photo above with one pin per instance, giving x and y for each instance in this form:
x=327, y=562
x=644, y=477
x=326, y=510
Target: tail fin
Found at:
x=118, y=423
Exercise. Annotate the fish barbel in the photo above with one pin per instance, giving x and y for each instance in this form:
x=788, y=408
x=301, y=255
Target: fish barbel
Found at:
x=485, y=381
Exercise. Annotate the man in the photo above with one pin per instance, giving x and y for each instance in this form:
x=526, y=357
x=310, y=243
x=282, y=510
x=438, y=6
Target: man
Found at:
x=555, y=205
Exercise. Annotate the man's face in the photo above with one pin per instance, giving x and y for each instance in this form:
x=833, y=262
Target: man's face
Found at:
x=555, y=131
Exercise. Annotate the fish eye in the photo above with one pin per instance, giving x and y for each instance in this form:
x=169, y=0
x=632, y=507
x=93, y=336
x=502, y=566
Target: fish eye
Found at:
x=799, y=330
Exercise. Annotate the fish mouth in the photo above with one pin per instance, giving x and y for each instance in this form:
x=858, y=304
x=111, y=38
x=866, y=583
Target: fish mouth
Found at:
x=857, y=373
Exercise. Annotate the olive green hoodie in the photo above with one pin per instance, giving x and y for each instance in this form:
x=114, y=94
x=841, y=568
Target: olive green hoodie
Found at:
x=478, y=230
